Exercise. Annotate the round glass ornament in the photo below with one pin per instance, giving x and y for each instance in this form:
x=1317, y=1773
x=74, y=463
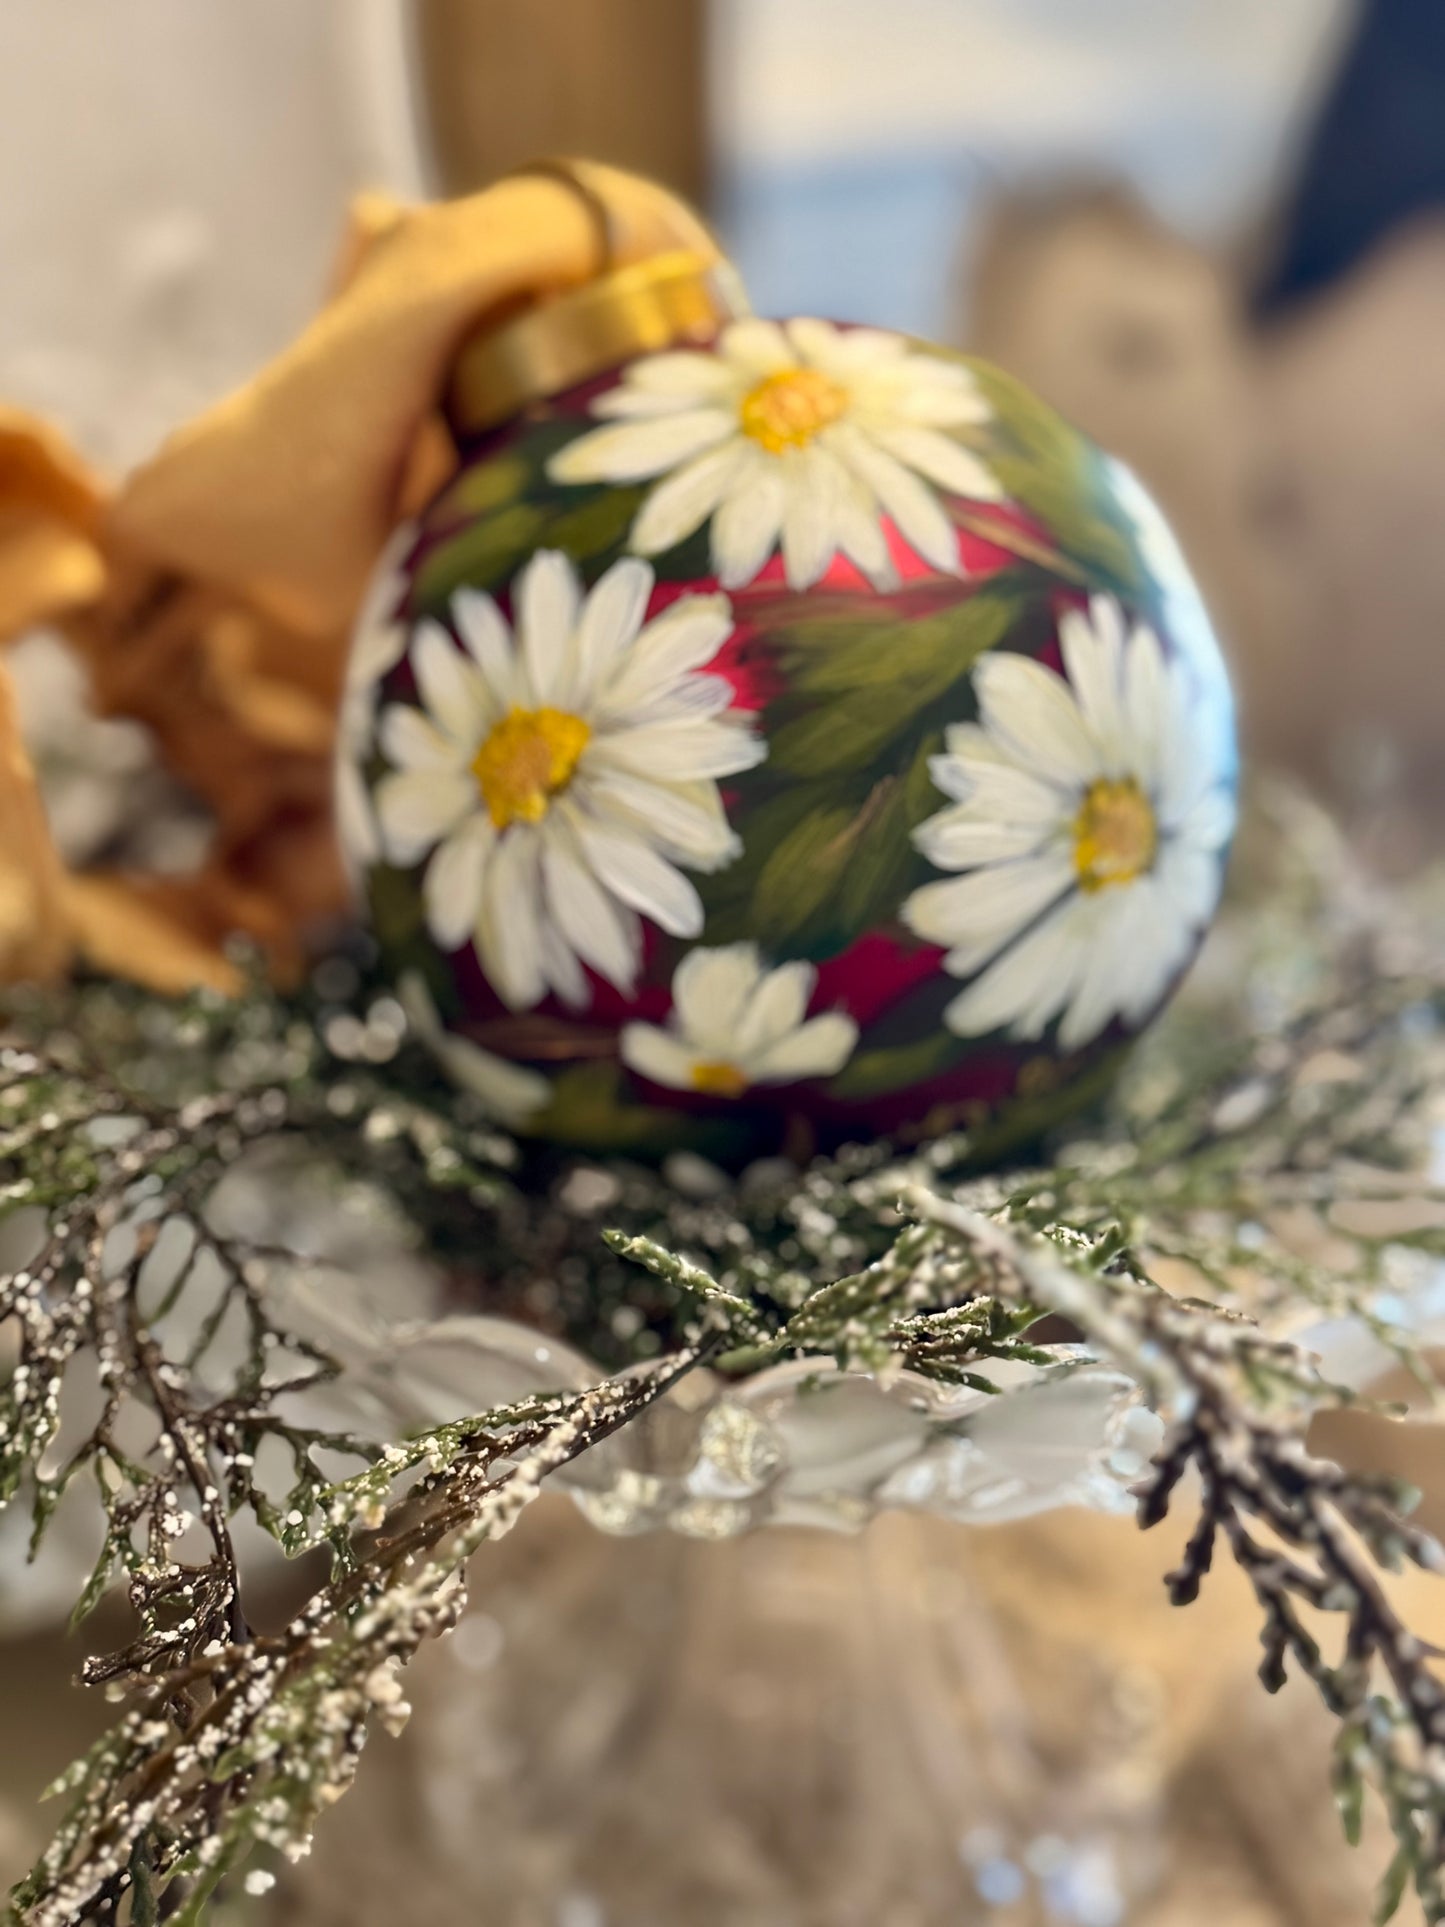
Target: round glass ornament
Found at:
x=778, y=732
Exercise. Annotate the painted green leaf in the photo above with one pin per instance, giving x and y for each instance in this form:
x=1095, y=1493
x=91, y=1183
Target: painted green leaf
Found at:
x=895, y=1067
x=591, y=1106
x=479, y=489
x=886, y=866
x=727, y=894
x=803, y=871
x=592, y=527
x=866, y=691
x=820, y=867
x=396, y=911
x=484, y=556
x=1054, y=472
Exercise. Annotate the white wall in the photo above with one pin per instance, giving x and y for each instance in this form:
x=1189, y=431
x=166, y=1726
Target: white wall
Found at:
x=858, y=135
x=173, y=176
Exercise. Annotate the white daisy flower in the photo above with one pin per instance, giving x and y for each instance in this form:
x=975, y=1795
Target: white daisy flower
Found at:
x=797, y=432
x=1089, y=821
x=378, y=643
x=560, y=778
x=735, y=1024
x=508, y=1092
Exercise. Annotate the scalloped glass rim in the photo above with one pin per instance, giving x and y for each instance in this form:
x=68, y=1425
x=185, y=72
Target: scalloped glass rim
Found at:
x=803, y=1442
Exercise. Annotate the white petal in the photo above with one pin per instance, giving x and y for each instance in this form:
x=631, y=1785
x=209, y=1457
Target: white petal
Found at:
x=858, y=352
x=860, y=532
x=941, y=460
x=686, y=635
x=691, y=697
x=511, y=1093
x=972, y=742
x=1190, y=879
x=378, y=638
x=962, y=839
x=1146, y=704
x=592, y=923
x=1153, y=948
x=1092, y=646
x=911, y=505
x=757, y=347
x=775, y=1007
x=684, y=819
x=809, y=527
x=375, y=651
x=745, y=527
x=508, y=933
x=999, y=790
x=452, y=891
x=409, y=741
x=1022, y=989
x=456, y=697
x=548, y=599
x=658, y=1056
x=355, y=823
x=819, y=1048
x=1030, y=711
x=1194, y=756
x=417, y=808
x=711, y=989
x=488, y=640
x=640, y=877
x=610, y=620
x=631, y=404
x=939, y=394
x=973, y=914
x=681, y=504
x=420, y=1007
x=564, y=974
x=1121, y=946
x=818, y=343
x=674, y=380
x=680, y=751
x=386, y=585
x=634, y=451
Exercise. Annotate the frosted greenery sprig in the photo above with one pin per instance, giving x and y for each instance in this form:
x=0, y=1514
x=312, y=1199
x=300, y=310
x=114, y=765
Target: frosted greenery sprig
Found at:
x=1271, y=1154
x=274, y=1725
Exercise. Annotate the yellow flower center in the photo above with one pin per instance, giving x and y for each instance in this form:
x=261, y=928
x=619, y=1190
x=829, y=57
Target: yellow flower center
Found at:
x=1115, y=834
x=787, y=410
x=527, y=759
x=719, y=1080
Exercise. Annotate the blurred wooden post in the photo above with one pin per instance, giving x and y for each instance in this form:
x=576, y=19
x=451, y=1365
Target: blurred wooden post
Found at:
x=620, y=80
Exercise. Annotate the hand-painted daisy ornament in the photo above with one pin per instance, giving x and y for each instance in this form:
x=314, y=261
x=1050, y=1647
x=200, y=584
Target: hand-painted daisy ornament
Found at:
x=748, y=767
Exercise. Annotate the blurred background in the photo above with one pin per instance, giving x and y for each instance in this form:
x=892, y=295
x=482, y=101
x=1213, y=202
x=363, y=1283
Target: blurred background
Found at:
x=1211, y=233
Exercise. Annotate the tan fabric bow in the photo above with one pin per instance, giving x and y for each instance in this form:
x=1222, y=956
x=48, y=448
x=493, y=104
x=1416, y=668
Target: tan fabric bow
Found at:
x=210, y=596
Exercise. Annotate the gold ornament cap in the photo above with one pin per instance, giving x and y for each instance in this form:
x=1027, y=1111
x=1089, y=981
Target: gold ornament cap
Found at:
x=668, y=301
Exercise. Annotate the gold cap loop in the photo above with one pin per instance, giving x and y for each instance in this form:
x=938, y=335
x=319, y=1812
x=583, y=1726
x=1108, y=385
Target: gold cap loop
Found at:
x=573, y=175
x=573, y=337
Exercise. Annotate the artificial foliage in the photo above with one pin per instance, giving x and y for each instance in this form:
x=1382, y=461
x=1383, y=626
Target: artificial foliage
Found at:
x=1268, y=1154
